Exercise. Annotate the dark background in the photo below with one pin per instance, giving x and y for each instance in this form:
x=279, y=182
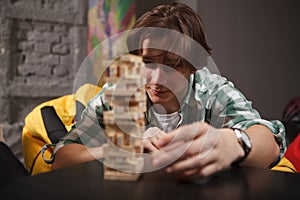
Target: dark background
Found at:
x=256, y=45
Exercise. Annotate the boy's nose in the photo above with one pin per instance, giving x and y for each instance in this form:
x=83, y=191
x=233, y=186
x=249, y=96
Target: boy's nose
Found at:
x=159, y=76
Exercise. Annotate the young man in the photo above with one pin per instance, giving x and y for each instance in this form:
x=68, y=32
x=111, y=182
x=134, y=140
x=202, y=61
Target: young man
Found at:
x=206, y=124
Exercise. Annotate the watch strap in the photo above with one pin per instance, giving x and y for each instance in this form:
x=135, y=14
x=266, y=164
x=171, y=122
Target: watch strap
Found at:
x=239, y=135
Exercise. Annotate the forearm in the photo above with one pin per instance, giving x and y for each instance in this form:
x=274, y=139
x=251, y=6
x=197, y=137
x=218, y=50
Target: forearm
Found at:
x=265, y=150
x=72, y=154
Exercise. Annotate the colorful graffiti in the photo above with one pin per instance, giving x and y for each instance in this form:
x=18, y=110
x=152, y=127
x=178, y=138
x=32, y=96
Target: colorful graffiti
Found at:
x=106, y=18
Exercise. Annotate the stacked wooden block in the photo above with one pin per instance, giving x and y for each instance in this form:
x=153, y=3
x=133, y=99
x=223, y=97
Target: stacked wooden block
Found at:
x=125, y=123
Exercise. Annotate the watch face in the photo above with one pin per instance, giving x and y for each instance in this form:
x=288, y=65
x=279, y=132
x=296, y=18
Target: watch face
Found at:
x=246, y=140
x=245, y=143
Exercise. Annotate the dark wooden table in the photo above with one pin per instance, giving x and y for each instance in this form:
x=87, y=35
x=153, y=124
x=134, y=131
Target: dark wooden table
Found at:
x=85, y=181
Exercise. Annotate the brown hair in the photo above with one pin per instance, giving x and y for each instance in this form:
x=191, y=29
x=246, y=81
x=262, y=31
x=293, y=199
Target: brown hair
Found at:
x=178, y=17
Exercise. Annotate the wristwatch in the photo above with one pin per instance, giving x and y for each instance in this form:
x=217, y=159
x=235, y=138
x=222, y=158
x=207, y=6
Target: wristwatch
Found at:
x=245, y=142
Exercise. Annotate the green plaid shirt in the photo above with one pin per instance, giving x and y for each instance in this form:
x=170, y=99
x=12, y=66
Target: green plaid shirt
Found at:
x=210, y=98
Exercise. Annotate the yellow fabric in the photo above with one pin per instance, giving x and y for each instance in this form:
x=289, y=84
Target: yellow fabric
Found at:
x=284, y=166
x=34, y=135
x=86, y=92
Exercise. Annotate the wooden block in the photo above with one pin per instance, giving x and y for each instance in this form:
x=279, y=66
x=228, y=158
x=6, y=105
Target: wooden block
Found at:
x=128, y=101
x=114, y=175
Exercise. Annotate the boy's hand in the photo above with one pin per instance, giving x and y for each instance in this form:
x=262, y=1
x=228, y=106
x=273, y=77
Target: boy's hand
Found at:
x=151, y=137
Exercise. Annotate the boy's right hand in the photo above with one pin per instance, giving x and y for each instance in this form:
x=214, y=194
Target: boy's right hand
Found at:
x=151, y=137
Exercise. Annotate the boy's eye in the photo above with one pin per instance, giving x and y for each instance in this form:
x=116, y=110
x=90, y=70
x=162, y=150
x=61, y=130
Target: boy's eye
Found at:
x=170, y=64
x=147, y=61
x=150, y=64
x=169, y=69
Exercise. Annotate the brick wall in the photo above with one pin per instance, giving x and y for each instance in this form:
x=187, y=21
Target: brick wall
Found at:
x=43, y=43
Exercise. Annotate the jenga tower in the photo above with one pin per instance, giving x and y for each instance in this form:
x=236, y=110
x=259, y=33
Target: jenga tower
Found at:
x=125, y=123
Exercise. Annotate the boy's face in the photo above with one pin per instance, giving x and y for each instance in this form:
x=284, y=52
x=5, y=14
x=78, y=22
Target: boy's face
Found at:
x=166, y=84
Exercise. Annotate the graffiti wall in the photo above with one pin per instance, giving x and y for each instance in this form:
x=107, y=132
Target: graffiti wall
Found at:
x=107, y=18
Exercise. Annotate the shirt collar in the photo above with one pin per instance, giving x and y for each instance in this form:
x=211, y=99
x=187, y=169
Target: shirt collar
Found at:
x=187, y=99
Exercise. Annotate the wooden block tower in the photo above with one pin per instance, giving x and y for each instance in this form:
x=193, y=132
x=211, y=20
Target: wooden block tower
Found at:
x=125, y=123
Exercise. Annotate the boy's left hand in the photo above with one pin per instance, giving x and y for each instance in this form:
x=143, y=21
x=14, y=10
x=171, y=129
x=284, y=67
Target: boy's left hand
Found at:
x=199, y=149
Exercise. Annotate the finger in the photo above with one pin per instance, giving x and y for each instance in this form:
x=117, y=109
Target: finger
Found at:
x=201, y=173
x=180, y=150
x=152, y=134
x=149, y=146
x=211, y=169
x=152, y=131
x=186, y=132
x=166, y=156
x=161, y=133
x=176, y=146
x=185, y=149
x=193, y=163
x=190, y=173
x=203, y=144
x=156, y=138
x=187, y=175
